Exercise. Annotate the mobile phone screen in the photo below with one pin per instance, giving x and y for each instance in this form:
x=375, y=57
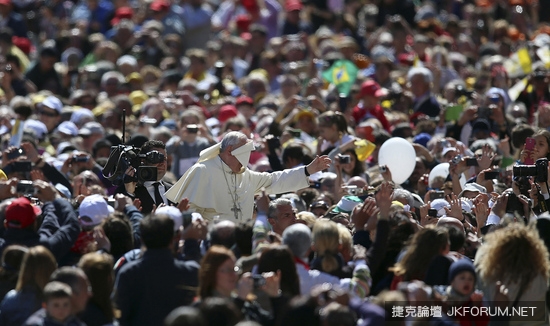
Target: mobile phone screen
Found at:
x=529, y=146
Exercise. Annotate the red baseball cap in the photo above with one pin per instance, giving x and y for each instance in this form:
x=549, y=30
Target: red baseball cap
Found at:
x=244, y=100
x=21, y=214
x=370, y=87
x=160, y=5
x=5, y=2
x=122, y=13
x=292, y=5
x=226, y=112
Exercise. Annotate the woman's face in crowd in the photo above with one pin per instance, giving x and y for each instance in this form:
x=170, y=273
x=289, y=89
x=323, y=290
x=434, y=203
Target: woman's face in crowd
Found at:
x=226, y=278
x=330, y=133
x=464, y=283
x=348, y=167
x=541, y=147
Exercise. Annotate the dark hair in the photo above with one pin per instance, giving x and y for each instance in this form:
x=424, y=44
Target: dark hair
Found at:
x=57, y=290
x=302, y=311
x=294, y=151
x=157, y=231
x=49, y=52
x=72, y=276
x=100, y=143
x=520, y=133
x=219, y=235
x=12, y=257
x=13, y=59
x=456, y=237
x=185, y=316
x=119, y=231
x=99, y=270
x=243, y=238
x=330, y=118
x=6, y=35
x=359, y=167
x=220, y=311
x=546, y=134
x=276, y=258
x=211, y=262
x=150, y=144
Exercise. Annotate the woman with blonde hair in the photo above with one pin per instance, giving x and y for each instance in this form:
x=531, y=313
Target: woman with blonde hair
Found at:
x=326, y=244
x=517, y=258
x=19, y=304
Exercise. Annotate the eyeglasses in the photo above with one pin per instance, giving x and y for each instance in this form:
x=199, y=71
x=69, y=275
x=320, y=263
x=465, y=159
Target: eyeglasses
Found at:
x=49, y=114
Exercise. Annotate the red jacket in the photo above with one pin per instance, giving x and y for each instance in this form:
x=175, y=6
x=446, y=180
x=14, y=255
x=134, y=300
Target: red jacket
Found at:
x=360, y=113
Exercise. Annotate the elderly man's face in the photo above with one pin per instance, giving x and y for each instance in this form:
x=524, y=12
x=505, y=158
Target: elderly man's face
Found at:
x=419, y=86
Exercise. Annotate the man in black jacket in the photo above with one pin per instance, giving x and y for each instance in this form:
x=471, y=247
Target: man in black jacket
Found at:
x=150, y=192
x=57, y=232
x=147, y=290
x=421, y=79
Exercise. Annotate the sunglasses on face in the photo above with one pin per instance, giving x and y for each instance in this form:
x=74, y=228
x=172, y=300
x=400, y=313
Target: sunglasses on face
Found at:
x=48, y=114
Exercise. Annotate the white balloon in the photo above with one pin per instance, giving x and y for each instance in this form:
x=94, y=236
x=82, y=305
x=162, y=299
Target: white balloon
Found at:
x=440, y=170
x=399, y=156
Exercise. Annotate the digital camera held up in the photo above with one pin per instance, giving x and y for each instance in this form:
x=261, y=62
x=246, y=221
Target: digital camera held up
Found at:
x=539, y=170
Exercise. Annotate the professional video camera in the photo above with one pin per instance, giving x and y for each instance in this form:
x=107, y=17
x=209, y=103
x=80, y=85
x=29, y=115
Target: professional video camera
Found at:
x=124, y=156
x=539, y=170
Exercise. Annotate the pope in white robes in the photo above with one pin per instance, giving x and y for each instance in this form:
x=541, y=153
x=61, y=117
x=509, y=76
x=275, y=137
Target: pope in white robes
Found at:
x=220, y=184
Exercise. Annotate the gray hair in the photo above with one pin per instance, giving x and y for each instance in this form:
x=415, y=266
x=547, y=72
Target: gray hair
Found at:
x=273, y=205
x=425, y=72
x=232, y=138
x=298, y=239
x=403, y=194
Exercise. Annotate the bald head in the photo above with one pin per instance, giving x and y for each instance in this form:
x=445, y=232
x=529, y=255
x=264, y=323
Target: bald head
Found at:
x=447, y=220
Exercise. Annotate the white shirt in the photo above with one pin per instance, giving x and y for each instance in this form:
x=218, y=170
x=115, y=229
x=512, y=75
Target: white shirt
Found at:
x=149, y=185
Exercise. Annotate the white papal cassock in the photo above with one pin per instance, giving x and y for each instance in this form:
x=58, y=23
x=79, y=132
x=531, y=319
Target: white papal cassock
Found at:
x=208, y=190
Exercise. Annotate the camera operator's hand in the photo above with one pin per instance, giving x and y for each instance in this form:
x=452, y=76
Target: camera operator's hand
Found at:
x=130, y=186
x=8, y=188
x=38, y=175
x=45, y=191
x=196, y=230
x=245, y=286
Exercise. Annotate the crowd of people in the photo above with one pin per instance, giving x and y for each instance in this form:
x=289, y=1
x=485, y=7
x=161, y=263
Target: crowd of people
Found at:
x=264, y=162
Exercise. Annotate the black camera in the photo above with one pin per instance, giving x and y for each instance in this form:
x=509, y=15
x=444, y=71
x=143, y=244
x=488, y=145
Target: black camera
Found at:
x=192, y=129
x=343, y=159
x=18, y=166
x=15, y=154
x=123, y=156
x=25, y=187
x=539, y=170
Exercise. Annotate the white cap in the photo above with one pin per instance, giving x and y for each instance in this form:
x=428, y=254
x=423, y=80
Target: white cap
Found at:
x=439, y=204
x=39, y=128
x=173, y=213
x=68, y=128
x=93, y=210
x=473, y=187
x=53, y=103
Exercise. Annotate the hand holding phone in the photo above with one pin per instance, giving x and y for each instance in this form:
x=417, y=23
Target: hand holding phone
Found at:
x=529, y=147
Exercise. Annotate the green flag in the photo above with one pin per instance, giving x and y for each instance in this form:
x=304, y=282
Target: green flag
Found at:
x=342, y=74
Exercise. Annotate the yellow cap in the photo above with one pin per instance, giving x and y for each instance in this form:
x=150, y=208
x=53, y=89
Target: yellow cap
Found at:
x=138, y=97
x=3, y=175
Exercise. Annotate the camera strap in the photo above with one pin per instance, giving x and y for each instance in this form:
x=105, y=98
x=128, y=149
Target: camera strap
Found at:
x=110, y=171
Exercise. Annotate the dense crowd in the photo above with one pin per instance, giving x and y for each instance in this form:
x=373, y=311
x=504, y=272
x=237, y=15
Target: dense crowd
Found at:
x=433, y=119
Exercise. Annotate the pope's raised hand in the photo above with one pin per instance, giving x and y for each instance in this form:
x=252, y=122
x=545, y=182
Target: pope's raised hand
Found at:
x=320, y=163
